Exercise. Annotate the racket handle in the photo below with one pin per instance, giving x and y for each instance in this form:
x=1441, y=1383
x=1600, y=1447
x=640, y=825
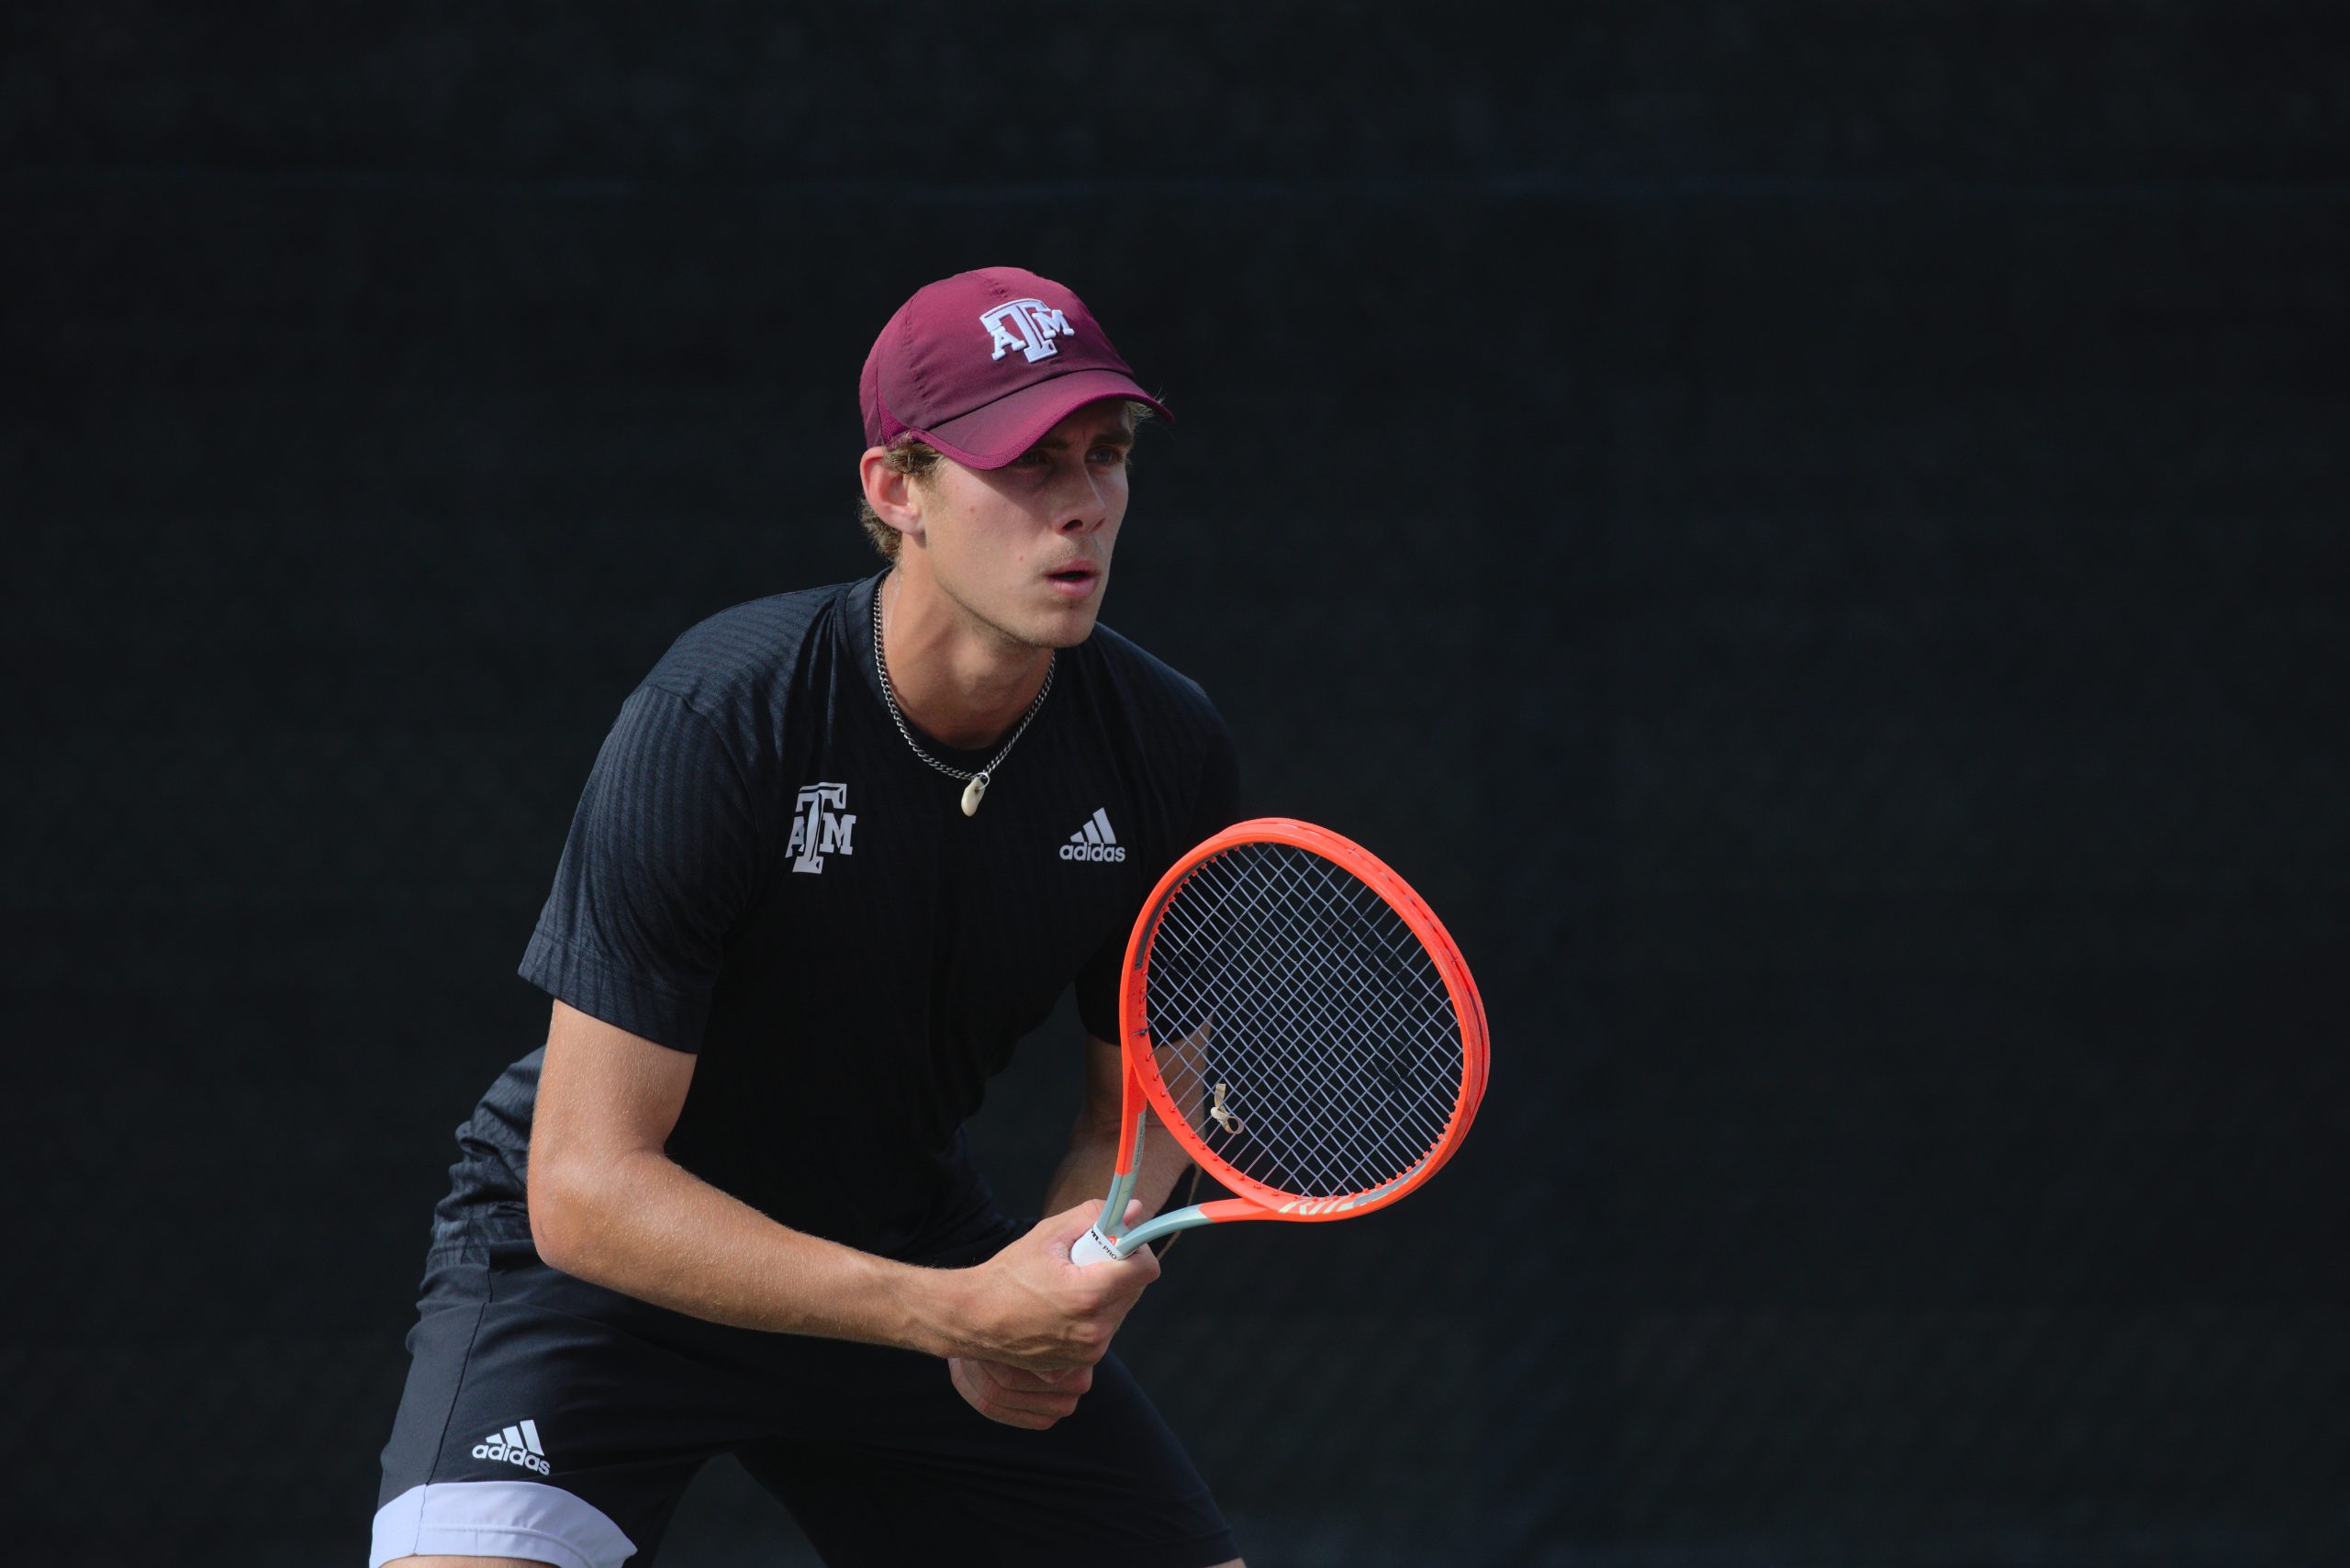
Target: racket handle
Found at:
x=1092, y=1248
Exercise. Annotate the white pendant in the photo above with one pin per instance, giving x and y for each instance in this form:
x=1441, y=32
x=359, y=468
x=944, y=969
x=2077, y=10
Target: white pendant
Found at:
x=971, y=794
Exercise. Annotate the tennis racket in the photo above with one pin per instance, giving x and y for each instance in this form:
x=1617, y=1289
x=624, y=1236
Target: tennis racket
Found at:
x=1301, y=1023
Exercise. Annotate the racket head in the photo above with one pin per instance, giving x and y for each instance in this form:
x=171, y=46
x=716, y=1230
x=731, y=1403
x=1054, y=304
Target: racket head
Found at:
x=1302, y=1022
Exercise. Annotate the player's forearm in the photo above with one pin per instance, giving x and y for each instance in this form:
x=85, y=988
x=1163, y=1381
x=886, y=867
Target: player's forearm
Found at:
x=642, y=1224
x=1092, y=1159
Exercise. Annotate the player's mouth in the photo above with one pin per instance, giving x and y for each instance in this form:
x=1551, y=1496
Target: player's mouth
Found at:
x=1074, y=582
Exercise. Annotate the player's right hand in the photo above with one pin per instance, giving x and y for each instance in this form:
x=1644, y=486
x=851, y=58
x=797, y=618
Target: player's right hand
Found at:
x=1018, y=1398
x=1030, y=1307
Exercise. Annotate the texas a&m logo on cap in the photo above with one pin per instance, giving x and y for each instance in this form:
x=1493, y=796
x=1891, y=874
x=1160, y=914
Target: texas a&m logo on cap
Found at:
x=1028, y=325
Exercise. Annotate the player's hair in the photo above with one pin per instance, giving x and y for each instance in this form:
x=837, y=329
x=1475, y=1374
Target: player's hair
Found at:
x=917, y=460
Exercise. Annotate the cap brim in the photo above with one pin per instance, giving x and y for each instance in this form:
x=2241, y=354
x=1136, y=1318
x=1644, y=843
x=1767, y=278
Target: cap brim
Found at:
x=993, y=436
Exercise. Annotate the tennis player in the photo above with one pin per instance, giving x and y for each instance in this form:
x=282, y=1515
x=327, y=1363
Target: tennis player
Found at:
x=841, y=850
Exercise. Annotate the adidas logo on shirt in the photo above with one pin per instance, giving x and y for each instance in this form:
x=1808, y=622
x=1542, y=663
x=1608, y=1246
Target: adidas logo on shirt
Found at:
x=1094, y=840
x=516, y=1447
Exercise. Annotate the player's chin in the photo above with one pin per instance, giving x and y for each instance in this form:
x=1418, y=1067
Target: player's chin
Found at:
x=1065, y=625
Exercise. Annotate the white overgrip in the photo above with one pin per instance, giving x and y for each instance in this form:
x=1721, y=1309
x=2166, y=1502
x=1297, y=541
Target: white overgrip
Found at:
x=1094, y=1248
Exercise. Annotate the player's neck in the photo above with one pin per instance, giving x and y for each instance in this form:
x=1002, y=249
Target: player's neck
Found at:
x=957, y=680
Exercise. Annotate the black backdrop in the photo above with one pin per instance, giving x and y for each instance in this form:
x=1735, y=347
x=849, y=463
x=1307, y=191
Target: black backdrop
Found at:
x=1812, y=533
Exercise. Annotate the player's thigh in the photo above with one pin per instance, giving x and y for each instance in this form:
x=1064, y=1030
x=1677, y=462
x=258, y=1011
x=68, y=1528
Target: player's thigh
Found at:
x=545, y=1421
x=908, y=1473
x=468, y=1563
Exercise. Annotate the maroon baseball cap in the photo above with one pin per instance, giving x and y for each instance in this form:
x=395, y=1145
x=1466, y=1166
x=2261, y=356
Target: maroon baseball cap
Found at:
x=981, y=364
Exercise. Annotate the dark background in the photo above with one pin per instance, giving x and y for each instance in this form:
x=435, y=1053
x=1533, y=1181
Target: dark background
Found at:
x=1812, y=533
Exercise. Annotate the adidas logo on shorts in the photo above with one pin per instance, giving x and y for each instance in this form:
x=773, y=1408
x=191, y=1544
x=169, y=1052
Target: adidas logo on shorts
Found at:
x=515, y=1447
x=1094, y=840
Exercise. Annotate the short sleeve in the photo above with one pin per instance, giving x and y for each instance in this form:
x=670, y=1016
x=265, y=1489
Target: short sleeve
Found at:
x=1217, y=806
x=1214, y=807
x=660, y=863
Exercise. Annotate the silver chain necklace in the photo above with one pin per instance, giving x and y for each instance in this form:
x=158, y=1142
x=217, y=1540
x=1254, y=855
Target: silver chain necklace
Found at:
x=978, y=788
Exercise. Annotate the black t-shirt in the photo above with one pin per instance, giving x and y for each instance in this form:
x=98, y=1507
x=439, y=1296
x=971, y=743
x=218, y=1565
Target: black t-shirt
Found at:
x=762, y=872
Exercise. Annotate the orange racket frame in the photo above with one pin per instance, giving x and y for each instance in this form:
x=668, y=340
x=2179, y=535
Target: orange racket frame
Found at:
x=1146, y=1092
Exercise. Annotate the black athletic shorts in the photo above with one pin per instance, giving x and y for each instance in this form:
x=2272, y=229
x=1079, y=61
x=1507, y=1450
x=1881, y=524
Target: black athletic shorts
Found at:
x=546, y=1418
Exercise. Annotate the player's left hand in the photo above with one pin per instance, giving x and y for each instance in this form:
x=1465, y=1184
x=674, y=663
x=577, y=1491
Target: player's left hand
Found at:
x=1018, y=1398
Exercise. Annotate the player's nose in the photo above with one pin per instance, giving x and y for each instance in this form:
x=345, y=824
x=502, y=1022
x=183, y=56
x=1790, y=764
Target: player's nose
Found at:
x=1084, y=509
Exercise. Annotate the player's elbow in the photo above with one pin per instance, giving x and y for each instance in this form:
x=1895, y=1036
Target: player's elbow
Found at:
x=559, y=1226
x=1094, y=1124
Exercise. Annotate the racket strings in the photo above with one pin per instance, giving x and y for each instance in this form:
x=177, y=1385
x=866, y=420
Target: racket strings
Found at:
x=1323, y=1136
x=1285, y=988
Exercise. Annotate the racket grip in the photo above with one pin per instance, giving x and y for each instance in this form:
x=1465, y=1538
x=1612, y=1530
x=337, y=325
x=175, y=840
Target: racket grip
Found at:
x=1092, y=1248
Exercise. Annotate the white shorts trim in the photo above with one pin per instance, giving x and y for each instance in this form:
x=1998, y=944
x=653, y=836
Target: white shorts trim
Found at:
x=498, y=1518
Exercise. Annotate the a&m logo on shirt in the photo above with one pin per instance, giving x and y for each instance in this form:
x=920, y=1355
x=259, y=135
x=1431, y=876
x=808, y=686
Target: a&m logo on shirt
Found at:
x=1028, y=325
x=821, y=828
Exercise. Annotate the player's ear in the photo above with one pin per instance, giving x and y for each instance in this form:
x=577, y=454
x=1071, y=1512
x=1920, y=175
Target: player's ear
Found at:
x=890, y=492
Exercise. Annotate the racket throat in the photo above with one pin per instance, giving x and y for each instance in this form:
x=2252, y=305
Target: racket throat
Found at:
x=1105, y=1241
x=1112, y=1224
